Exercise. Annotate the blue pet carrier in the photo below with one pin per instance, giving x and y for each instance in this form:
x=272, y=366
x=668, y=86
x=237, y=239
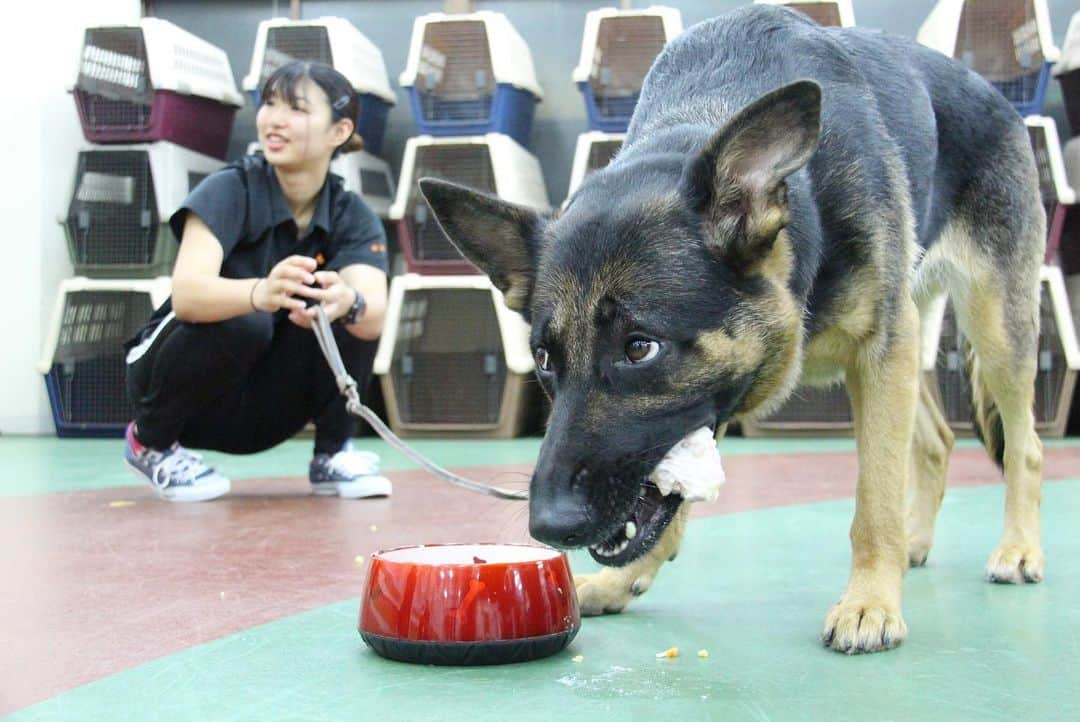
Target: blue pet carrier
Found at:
x=471, y=74
x=335, y=42
x=617, y=50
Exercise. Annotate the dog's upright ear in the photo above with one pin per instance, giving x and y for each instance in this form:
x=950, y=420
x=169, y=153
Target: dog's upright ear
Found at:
x=737, y=181
x=501, y=239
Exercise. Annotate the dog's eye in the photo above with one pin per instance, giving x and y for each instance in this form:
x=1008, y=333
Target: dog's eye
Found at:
x=543, y=360
x=640, y=350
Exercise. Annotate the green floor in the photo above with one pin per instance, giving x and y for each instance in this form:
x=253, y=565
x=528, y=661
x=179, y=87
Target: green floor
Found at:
x=31, y=465
x=750, y=588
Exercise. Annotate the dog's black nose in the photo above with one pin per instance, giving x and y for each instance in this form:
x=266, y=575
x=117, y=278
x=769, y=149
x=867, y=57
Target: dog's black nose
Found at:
x=563, y=525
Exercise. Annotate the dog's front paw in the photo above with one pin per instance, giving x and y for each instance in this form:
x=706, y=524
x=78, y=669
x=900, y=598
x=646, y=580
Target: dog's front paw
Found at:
x=855, y=626
x=1016, y=564
x=609, y=590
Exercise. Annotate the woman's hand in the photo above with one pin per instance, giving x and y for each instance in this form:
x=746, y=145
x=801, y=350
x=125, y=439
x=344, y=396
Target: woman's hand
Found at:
x=337, y=298
x=286, y=286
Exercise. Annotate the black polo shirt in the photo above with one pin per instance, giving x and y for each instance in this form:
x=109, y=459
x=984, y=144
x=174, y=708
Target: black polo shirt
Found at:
x=245, y=209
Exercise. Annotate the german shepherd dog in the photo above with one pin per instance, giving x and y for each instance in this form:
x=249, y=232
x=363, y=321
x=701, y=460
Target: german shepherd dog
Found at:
x=789, y=201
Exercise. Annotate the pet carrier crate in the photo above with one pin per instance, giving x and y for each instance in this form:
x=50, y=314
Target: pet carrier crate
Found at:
x=454, y=360
x=1057, y=362
x=817, y=411
x=84, y=357
x=335, y=42
x=1070, y=232
x=834, y=13
x=810, y=411
x=617, y=50
x=1057, y=195
x=1067, y=72
x=1008, y=42
x=370, y=177
x=121, y=200
x=492, y=163
x=593, y=151
x=470, y=74
x=364, y=174
x=154, y=81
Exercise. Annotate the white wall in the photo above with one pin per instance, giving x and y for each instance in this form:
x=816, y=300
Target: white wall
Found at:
x=39, y=136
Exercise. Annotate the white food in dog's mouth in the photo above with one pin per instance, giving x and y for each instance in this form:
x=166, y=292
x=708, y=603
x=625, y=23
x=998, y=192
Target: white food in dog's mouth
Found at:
x=691, y=470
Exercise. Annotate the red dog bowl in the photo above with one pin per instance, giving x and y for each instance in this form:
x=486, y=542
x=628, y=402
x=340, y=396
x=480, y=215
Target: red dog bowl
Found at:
x=469, y=604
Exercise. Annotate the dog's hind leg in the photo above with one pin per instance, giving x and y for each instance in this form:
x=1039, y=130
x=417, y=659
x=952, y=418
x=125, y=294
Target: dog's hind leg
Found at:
x=930, y=449
x=611, y=589
x=1002, y=325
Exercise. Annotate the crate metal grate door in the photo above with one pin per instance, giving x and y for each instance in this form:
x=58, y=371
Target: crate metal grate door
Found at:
x=113, y=217
x=456, y=81
x=825, y=14
x=449, y=364
x=999, y=40
x=113, y=86
x=470, y=165
x=811, y=407
x=600, y=154
x=625, y=50
x=89, y=360
x=303, y=42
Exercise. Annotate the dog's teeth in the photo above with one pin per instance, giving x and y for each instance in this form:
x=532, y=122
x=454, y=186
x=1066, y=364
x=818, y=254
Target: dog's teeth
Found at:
x=604, y=551
x=619, y=549
x=631, y=530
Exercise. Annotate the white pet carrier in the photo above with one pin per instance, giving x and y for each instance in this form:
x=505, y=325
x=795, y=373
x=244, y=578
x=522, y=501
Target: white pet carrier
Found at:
x=1057, y=361
x=814, y=411
x=470, y=74
x=83, y=359
x=830, y=13
x=335, y=42
x=1057, y=195
x=1067, y=72
x=492, y=163
x=120, y=204
x=1008, y=42
x=453, y=360
x=155, y=81
x=617, y=49
x=364, y=174
x=593, y=151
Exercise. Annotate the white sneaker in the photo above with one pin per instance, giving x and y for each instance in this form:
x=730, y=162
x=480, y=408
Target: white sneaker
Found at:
x=348, y=474
x=175, y=473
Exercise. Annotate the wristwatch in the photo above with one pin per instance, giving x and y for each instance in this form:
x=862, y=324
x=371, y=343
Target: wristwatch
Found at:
x=356, y=311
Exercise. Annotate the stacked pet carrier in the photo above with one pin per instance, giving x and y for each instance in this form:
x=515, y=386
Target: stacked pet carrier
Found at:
x=338, y=43
x=157, y=103
x=617, y=50
x=834, y=13
x=1057, y=194
x=1008, y=42
x=593, y=151
x=1067, y=72
x=453, y=360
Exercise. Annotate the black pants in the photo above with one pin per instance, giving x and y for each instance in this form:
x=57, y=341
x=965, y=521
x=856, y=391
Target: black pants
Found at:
x=242, y=385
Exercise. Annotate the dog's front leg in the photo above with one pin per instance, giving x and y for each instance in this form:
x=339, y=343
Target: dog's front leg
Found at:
x=611, y=589
x=883, y=385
